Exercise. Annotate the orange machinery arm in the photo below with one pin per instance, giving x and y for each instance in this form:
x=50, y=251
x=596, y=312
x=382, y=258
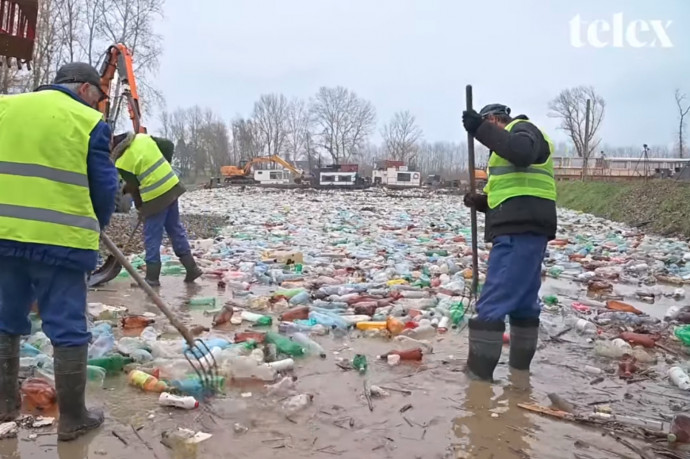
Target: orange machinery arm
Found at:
x=271, y=159
x=119, y=59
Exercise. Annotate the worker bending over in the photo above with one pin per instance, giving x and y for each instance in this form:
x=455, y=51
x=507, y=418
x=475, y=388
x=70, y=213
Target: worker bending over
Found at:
x=57, y=192
x=520, y=208
x=155, y=189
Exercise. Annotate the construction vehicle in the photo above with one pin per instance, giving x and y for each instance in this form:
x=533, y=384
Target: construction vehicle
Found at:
x=17, y=31
x=480, y=178
x=118, y=60
x=242, y=174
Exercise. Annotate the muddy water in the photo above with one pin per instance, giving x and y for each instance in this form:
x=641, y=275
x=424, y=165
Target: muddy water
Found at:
x=449, y=415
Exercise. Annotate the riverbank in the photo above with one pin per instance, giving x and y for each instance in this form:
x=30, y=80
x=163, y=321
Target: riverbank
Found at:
x=659, y=206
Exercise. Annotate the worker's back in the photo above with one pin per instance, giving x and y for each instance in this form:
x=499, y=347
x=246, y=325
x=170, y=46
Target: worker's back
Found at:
x=51, y=120
x=44, y=143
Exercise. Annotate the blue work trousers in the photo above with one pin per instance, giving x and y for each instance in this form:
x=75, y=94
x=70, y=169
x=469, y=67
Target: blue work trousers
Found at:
x=61, y=295
x=513, y=278
x=167, y=220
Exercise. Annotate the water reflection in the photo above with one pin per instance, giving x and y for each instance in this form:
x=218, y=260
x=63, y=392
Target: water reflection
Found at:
x=495, y=426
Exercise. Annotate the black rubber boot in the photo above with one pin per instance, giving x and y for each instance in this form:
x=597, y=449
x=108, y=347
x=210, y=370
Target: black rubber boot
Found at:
x=70, y=384
x=486, y=343
x=153, y=273
x=10, y=398
x=193, y=271
x=524, y=336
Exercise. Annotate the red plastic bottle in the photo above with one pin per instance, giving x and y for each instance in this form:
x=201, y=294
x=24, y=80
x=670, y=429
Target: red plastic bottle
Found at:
x=296, y=313
x=132, y=322
x=39, y=392
x=367, y=309
x=258, y=337
x=409, y=354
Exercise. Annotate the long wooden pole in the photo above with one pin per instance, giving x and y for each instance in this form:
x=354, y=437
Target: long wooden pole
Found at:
x=473, y=189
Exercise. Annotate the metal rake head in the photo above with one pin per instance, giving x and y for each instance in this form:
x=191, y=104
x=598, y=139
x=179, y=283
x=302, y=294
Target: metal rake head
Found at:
x=204, y=363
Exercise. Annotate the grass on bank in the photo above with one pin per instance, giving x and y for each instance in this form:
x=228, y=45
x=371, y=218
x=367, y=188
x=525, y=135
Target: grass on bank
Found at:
x=659, y=206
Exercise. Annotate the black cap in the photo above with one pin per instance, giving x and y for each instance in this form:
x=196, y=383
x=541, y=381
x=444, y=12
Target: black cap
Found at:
x=79, y=72
x=495, y=109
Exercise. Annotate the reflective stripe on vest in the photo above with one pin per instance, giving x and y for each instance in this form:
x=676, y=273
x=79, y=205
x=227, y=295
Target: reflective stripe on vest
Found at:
x=143, y=159
x=45, y=198
x=505, y=180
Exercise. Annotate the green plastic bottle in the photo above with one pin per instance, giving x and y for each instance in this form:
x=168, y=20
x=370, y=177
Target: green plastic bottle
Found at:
x=172, y=269
x=202, y=301
x=457, y=313
x=550, y=300
x=437, y=252
x=360, y=363
x=284, y=344
x=113, y=363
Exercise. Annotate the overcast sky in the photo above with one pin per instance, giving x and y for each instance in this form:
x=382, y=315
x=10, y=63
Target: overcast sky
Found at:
x=418, y=55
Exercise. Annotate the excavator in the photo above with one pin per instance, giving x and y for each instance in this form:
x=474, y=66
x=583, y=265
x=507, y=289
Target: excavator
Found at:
x=241, y=174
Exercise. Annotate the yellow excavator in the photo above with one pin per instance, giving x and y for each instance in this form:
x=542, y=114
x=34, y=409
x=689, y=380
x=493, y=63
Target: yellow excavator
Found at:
x=242, y=174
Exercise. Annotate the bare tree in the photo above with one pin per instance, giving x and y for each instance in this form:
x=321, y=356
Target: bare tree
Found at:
x=247, y=142
x=401, y=137
x=342, y=120
x=682, y=111
x=298, y=124
x=271, y=118
x=570, y=106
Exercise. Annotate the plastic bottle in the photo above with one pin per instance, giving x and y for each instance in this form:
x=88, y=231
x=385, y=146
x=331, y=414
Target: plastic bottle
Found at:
x=141, y=356
x=284, y=344
x=246, y=336
x=456, y=313
x=329, y=320
x=149, y=334
x=593, y=370
x=146, y=382
x=583, y=326
x=672, y=313
x=310, y=346
x=242, y=367
x=421, y=332
x=27, y=350
x=39, y=392
x=282, y=365
x=679, y=377
x=296, y=313
x=409, y=354
x=113, y=363
x=41, y=342
x=302, y=297
x=359, y=363
x=202, y=301
x=256, y=319
x=443, y=324
x=101, y=346
x=133, y=322
x=186, y=403
x=425, y=345
x=127, y=345
x=680, y=428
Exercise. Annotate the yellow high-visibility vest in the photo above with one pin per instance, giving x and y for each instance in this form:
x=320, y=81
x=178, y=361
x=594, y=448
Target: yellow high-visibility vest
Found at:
x=44, y=185
x=506, y=180
x=144, y=160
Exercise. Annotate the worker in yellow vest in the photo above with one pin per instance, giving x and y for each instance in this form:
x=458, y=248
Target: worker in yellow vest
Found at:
x=520, y=208
x=155, y=189
x=57, y=192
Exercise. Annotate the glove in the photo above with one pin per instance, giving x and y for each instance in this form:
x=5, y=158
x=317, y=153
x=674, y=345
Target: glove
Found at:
x=471, y=120
x=479, y=202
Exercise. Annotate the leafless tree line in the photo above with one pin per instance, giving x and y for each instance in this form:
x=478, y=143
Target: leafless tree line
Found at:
x=82, y=30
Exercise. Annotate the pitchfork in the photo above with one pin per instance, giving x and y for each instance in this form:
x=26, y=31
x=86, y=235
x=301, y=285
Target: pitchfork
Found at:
x=205, y=367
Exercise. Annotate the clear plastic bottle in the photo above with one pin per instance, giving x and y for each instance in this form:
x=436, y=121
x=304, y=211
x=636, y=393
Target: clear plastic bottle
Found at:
x=311, y=346
x=679, y=378
x=241, y=367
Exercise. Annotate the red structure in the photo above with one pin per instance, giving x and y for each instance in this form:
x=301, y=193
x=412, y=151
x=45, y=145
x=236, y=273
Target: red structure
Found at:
x=17, y=30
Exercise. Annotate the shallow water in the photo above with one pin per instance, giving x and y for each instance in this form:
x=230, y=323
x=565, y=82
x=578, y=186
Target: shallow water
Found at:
x=450, y=415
